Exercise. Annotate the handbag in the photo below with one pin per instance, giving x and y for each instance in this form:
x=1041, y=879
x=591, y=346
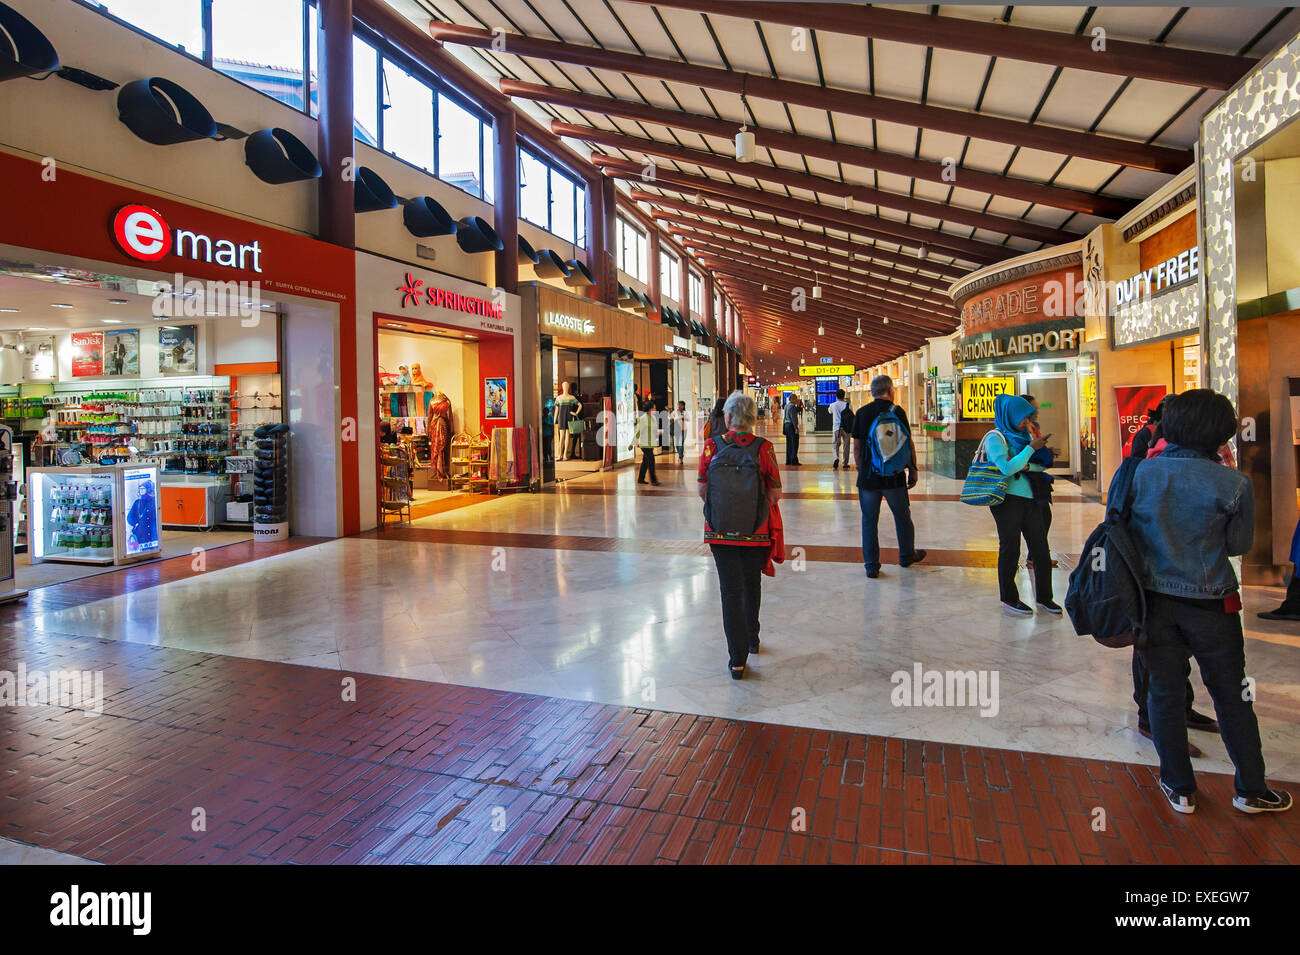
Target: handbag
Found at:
x=985, y=485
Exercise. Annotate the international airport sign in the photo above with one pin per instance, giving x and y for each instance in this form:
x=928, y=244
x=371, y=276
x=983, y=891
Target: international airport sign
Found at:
x=825, y=371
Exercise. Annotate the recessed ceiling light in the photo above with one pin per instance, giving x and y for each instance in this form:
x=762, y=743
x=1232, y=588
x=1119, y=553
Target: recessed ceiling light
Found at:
x=8, y=309
x=37, y=328
x=171, y=328
x=117, y=301
x=59, y=305
x=111, y=321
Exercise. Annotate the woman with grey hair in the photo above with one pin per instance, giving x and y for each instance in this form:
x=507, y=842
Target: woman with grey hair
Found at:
x=740, y=484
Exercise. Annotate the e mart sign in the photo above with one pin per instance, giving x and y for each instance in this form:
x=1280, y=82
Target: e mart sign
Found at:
x=977, y=395
x=825, y=371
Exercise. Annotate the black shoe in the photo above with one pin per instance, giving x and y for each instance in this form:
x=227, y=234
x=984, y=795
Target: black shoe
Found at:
x=1199, y=721
x=1281, y=613
x=640, y=482
x=1186, y=804
x=1017, y=609
x=873, y=574
x=1050, y=606
x=1272, y=801
x=916, y=558
x=655, y=483
x=737, y=673
x=835, y=465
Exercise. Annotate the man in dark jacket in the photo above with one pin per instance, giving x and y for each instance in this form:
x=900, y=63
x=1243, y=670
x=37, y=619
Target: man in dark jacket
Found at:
x=873, y=488
x=790, y=427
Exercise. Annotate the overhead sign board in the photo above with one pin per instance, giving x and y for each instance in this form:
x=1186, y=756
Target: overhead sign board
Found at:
x=825, y=371
x=978, y=394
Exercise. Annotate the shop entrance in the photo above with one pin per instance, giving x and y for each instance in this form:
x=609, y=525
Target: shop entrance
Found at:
x=440, y=397
x=1055, y=415
x=130, y=431
x=577, y=448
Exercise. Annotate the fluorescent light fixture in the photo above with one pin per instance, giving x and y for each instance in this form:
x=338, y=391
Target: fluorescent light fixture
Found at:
x=117, y=301
x=59, y=305
x=111, y=321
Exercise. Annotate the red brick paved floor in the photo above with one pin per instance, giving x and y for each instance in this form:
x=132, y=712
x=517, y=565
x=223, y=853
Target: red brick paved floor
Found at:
x=419, y=772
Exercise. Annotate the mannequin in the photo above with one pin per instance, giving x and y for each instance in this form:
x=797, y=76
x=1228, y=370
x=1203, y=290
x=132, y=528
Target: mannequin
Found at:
x=417, y=377
x=438, y=426
x=566, y=406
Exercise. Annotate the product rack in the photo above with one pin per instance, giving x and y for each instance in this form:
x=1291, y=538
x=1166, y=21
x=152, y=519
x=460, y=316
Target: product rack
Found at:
x=395, y=487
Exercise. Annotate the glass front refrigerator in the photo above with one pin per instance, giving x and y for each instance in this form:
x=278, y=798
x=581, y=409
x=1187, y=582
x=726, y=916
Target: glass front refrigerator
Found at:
x=94, y=515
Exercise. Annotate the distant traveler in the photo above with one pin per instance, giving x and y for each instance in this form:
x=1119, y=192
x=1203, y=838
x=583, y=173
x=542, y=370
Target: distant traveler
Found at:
x=790, y=428
x=842, y=425
x=647, y=436
x=1189, y=516
x=740, y=485
x=715, y=424
x=1009, y=446
x=1290, y=609
x=886, y=457
x=677, y=429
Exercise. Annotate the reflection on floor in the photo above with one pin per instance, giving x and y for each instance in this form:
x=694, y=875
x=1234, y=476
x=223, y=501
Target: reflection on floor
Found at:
x=174, y=544
x=603, y=591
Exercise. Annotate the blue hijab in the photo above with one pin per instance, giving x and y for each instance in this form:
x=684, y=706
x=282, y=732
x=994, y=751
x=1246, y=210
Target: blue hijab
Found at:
x=1009, y=411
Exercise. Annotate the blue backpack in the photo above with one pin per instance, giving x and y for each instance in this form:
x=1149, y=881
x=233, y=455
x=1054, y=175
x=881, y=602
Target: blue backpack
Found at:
x=890, y=442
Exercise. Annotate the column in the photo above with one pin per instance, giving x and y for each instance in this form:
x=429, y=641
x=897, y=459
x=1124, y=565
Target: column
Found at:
x=336, y=216
x=652, y=280
x=506, y=201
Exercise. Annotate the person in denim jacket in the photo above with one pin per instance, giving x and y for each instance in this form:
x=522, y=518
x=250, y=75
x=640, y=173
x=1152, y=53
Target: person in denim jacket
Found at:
x=1189, y=515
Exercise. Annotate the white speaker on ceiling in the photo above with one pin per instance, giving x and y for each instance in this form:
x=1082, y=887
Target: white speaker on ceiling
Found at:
x=746, y=147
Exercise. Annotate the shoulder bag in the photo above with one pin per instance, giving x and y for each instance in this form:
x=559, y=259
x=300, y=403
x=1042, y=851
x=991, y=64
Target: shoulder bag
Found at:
x=985, y=485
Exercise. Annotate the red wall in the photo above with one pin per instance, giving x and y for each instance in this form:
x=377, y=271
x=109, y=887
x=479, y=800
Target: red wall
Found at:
x=496, y=359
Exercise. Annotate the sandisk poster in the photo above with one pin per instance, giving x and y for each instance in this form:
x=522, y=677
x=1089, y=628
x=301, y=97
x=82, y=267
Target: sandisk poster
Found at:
x=87, y=354
x=1132, y=403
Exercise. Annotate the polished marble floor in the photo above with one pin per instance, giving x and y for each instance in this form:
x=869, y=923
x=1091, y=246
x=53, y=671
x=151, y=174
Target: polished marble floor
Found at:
x=602, y=591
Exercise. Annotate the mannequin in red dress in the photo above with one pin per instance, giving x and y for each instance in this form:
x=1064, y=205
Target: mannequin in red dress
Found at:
x=438, y=427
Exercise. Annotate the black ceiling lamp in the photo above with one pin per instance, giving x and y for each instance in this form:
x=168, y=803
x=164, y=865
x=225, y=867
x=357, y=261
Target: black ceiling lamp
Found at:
x=164, y=113
x=425, y=218
x=24, y=50
x=475, y=235
x=371, y=193
x=278, y=157
x=527, y=254
x=550, y=265
x=579, y=275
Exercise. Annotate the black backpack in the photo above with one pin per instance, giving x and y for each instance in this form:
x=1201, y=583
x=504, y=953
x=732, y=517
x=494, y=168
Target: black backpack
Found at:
x=1106, y=598
x=846, y=419
x=736, y=503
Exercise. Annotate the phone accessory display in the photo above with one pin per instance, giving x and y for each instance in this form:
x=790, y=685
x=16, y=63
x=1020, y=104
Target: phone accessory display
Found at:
x=270, y=481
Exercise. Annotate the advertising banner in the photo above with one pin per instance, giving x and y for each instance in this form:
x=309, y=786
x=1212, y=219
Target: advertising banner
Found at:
x=1132, y=403
x=625, y=410
x=178, y=352
x=122, y=352
x=978, y=394
x=140, y=506
x=87, y=354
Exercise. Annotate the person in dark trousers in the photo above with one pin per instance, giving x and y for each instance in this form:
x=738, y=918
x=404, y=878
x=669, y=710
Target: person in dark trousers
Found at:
x=1146, y=435
x=1010, y=446
x=1189, y=515
x=1149, y=443
x=892, y=488
x=740, y=559
x=677, y=425
x=647, y=437
x=790, y=428
x=1290, y=609
x=843, y=435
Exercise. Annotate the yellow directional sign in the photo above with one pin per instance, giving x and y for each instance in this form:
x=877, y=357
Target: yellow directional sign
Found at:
x=825, y=371
x=977, y=395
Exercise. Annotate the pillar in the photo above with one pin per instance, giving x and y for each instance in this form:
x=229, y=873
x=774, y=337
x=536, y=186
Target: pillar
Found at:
x=506, y=202
x=336, y=216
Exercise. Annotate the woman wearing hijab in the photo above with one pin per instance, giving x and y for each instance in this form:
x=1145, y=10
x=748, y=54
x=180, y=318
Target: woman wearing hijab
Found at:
x=1009, y=447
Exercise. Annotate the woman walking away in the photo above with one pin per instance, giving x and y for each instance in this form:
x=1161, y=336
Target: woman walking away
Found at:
x=740, y=484
x=1189, y=515
x=1010, y=446
x=714, y=424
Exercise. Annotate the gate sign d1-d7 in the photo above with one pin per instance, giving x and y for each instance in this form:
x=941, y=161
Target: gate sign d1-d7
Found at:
x=825, y=371
x=977, y=395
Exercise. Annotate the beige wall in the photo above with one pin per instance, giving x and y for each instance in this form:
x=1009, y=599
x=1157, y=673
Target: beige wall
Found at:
x=451, y=366
x=1143, y=365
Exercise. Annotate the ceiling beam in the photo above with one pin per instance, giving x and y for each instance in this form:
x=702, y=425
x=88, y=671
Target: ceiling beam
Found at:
x=1052, y=139
x=834, y=273
x=784, y=284
x=947, y=274
x=969, y=250
x=1148, y=61
x=922, y=285
x=928, y=208
x=926, y=170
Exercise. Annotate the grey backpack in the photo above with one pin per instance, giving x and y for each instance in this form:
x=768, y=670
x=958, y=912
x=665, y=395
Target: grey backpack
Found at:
x=736, y=503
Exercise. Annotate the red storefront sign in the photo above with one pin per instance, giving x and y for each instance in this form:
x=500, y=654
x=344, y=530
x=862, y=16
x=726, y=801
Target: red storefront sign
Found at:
x=1132, y=403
